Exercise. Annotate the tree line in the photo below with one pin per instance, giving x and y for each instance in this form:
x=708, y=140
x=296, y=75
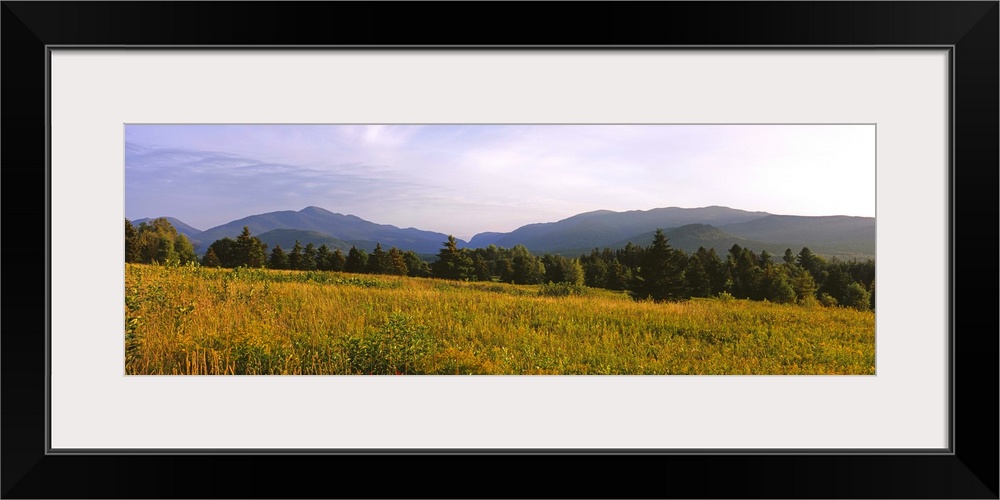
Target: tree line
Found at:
x=658, y=271
x=664, y=273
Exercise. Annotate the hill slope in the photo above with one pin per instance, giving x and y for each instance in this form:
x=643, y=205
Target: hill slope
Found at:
x=348, y=228
x=605, y=228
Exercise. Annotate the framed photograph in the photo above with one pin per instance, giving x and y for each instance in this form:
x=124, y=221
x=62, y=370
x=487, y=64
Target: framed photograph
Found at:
x=177, y=110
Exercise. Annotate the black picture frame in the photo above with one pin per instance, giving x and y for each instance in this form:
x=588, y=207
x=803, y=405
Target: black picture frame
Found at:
x=970, y=470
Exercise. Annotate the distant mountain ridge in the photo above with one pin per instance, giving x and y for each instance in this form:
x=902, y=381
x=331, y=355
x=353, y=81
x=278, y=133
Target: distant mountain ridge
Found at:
x=603, y=228
x=347, y=228
x=686, y=228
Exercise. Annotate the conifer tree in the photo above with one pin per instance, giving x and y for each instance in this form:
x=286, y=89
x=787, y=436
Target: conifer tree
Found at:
x=295, y=257
x=250, y=251
x=278, y=258
x=397, y=263
x=378, y=261
x=337, y=260
x=210, y=259
x=452, y=262
x=323, y=255
x=697, y=278
x=308, y=262
x=661, y=276
x=356, y=261
x=225, y=251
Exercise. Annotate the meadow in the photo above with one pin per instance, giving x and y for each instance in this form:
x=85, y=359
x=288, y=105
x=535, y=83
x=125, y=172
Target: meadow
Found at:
x=199, y=320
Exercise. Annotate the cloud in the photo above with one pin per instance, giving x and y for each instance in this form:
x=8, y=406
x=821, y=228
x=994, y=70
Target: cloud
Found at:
x=463, y=179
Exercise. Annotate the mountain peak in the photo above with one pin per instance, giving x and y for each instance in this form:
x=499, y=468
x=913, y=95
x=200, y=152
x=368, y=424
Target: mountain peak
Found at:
x=315, y=210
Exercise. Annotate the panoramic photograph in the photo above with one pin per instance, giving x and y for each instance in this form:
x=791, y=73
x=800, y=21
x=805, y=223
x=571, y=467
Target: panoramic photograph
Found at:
x=499, y=249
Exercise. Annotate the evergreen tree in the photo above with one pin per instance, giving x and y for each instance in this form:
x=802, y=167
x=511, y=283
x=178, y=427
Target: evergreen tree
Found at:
x=789, y=257
x=776, y=286
x=812, y=263
x=765, y=259
x=250, y=251
x=225, y=250
x=661, y=275
x=397, y=262
x=482, y=268
x=337, y=260
x=805, y=287
x=308, y=261
x=715, y=270
x=836, y=283
x=697, y=278
x=278, y=258
x=452, y=262
x=619, y=276
x=356, y=261
x=745, y=274
x=595, y=270
x=210, y=259
x=295, y=257
x=378, y=261
x=323, y=255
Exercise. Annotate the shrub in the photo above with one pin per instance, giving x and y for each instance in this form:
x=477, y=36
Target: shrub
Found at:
x=561, y=290
x=827, y=300
x=397, y=348
x=857, y=297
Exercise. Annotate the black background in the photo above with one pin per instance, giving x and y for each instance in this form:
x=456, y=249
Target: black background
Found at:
x=971, y=472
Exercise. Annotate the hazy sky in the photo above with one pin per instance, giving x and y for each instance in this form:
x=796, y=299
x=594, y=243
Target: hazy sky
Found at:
x=465, y=179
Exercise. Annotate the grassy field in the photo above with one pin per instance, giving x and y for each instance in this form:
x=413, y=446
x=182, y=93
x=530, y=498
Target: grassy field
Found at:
x=191, y=320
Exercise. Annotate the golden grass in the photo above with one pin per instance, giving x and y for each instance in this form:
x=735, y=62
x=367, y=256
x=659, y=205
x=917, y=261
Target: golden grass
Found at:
x=190, y=320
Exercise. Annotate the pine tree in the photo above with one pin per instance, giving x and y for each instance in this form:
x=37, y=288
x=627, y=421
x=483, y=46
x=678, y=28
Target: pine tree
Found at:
x=697, y=278
x=356, y=261
x=278, y=258
x=210, y=259
x=337, y=260
x=789, y=257
x=308, y=262
x=225, y=251
x=323, y=255
x=715, y=269
x=661, y=276
x=295, y=257
x=250, y=251
x=397, y=263
x=452, y=262
x=377, y=261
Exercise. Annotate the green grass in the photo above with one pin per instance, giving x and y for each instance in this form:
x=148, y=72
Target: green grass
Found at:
x=191, y=320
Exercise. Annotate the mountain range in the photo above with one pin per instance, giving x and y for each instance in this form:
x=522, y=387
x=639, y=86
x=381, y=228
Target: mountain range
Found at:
x=686, y=228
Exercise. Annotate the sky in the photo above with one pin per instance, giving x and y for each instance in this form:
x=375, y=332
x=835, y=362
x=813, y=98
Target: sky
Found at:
x=467, y=179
